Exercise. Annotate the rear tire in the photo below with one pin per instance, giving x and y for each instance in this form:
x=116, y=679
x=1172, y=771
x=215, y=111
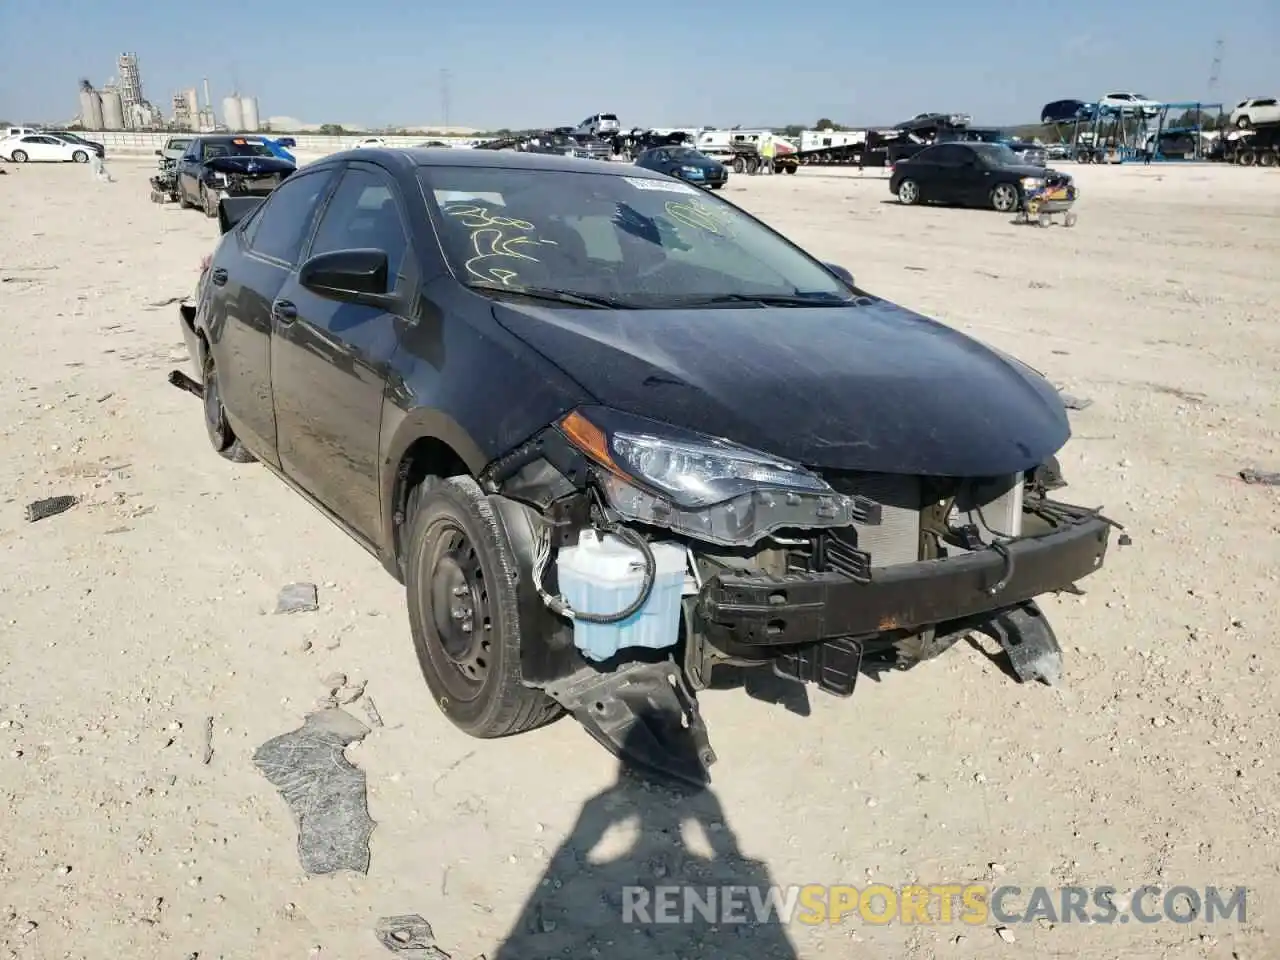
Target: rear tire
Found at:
x=458, y=556
x=221, y=436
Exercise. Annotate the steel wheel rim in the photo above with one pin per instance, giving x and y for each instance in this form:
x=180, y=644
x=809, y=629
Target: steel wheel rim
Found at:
x=1004, y=198
x=455, y=595
x=907, y=191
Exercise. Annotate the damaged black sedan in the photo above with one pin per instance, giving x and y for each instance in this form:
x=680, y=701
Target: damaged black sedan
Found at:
x=615, y=434
x=212, y=168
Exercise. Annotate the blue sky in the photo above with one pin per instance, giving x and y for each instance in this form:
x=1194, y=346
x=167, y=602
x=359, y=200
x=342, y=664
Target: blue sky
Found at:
x=653, y=62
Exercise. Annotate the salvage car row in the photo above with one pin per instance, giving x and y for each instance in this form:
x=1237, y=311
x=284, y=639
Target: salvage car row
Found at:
x=503, y=374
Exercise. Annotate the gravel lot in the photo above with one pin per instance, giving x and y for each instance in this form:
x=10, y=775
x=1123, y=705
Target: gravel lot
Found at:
x=128, y=621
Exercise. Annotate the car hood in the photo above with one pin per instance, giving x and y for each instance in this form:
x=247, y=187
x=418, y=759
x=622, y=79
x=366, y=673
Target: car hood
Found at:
x=873, y=388
x=250, y=165
x=1031, y=170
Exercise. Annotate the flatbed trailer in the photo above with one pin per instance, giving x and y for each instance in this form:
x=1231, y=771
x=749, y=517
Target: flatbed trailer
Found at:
x=1257, y=146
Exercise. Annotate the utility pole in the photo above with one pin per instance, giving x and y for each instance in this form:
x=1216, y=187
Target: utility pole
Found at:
x=444, y=96
x=1215, y=70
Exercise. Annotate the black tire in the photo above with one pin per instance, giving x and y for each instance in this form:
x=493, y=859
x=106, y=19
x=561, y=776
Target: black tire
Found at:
x=790, y=168
x=18, y=156
x=1247, y=158
x=1244, y=123
x=908, y=192
x=457, y=548
x=739, y=165
x=221, y=436
x=208, y=204
x=717, y=186
x=80, y=156
x=181, y=193
x=1267, y=159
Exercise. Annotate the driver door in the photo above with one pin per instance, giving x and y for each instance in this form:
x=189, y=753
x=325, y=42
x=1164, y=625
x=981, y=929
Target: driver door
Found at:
x=330, y=359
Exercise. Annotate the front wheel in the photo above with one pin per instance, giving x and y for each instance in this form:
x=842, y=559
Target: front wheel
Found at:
x=1004, y=198
x=181, y=193
x=221, y=436
x=19, y=156
x=80, y=157
x=209, y=203
x=1244, y=123
x=717, y=186
x=909, y=193
x=461, y=581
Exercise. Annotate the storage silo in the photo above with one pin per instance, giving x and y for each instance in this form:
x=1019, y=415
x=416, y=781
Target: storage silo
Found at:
x=112, y=110
x=90, y=107
x=193, y=102
x=232, y=115
x=249, y=113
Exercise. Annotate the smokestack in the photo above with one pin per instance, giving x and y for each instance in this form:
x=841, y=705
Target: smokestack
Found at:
x=208, y=100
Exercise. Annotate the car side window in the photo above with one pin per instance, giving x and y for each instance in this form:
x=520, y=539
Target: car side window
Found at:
x=364, y=213
x=952, y=156
x=285, y=219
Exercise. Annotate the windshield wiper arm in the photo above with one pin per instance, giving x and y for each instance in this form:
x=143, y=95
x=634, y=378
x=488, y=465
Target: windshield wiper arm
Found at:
x=554, y=296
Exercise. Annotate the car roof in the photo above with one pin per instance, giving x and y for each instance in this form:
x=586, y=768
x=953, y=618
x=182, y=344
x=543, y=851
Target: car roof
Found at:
x=406, y=158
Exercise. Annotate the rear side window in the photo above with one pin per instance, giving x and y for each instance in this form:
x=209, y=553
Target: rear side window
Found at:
x=1269, y=102
x=284, y=221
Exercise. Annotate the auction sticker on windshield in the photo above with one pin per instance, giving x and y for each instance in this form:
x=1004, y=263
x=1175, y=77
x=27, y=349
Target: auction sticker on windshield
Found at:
x=662, y=186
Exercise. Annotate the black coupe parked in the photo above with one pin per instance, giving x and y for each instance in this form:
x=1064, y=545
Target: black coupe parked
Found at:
x=974, y=175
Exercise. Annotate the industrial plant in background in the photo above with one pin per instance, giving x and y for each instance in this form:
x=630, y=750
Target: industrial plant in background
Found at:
x=120, y=105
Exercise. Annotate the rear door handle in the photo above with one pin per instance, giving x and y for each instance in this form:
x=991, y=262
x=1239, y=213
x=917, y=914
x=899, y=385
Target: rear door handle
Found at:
x=284, y=311
x=219, y=277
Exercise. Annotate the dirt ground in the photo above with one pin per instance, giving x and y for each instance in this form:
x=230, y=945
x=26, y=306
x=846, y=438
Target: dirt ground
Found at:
x=128, y=621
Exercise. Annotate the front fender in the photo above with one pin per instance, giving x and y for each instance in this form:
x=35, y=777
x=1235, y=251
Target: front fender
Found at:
x=400, y=431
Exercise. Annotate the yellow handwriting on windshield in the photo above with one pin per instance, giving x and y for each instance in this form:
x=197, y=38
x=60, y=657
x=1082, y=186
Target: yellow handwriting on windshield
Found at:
x=697, y=215
x=491, y=241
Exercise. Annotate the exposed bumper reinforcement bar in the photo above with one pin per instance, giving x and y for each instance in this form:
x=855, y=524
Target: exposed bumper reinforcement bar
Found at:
x=802, y=608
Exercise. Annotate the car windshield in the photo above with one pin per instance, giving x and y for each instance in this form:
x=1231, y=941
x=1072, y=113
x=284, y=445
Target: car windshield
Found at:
x=685, y=153
x=178, y=144
x=997, y=153
x=630, y=241
x=236, y=148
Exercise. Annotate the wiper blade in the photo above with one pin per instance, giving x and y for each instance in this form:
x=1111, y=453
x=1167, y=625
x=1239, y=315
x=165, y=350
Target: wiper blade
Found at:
x=773, y=300
x=550, y=295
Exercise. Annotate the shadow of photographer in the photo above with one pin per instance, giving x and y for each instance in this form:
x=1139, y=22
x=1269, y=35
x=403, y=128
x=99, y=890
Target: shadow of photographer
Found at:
x=659, y=897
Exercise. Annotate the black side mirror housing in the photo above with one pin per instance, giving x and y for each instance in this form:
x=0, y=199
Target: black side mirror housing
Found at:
x=352, y=276
x=842, y=273
x=159, y=153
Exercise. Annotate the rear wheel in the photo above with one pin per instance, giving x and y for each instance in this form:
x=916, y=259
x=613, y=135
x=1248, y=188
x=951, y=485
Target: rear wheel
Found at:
x=1004, y=197
x=1247, y=158
x=461, y=582
x=1267, y=159
x=19, y=156
x=221, y=436
x=909, y=192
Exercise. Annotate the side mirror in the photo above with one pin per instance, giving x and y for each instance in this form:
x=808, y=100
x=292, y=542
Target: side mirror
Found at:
x=159, y=153
x=352, y=276
x=842, y=273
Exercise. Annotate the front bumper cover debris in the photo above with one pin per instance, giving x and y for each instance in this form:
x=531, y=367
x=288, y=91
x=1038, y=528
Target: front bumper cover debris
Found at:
x=806, y=607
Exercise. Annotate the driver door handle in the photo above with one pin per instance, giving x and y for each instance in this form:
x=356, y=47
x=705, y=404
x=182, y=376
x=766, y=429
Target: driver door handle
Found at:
x=284, y=311
x=219, y=277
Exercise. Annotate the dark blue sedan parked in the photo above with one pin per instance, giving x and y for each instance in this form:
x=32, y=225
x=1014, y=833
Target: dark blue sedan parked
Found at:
x=687, y=164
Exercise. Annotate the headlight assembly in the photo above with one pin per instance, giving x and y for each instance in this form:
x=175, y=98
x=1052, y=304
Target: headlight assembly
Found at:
x=702, y=486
